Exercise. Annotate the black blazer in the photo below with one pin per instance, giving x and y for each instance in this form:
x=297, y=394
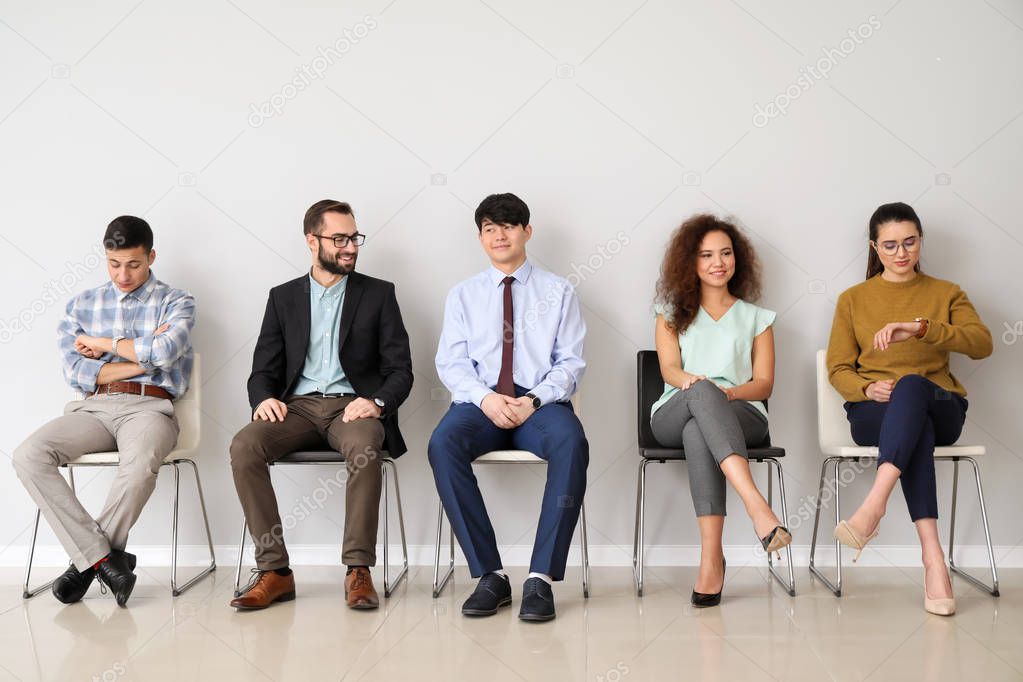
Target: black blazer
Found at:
x=372, y=343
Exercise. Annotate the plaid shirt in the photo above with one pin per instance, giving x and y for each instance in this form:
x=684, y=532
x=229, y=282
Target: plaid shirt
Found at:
x=106, y=312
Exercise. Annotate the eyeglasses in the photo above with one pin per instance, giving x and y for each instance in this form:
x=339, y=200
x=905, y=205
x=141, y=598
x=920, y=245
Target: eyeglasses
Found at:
x=890, y=248
x=341, y=240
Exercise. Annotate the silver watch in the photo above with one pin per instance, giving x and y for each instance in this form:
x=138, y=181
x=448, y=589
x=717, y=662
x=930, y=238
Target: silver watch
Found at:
x=113, y=344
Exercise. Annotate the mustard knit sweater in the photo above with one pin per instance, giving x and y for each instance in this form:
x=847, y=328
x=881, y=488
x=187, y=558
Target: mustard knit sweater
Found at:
x=862, y=310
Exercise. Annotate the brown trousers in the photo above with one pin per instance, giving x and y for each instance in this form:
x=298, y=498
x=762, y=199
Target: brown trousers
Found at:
x=312, y=423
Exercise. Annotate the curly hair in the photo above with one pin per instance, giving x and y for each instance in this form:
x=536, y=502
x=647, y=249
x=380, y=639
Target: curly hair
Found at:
x=678, y=288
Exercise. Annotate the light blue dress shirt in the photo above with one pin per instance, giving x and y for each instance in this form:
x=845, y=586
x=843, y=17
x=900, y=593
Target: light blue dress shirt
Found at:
x=549, y=330
x=322, y=372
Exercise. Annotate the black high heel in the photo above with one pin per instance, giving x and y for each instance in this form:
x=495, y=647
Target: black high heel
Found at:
x=701, y=600
x=778, y=537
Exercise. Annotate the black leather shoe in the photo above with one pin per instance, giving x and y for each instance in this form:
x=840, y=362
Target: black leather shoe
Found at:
x=702, y=600
x=492, y=592
x=537, y=601
x=116, y=573
x=72, y=584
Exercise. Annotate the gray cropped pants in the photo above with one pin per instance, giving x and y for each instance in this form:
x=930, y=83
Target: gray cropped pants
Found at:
x=703, y=422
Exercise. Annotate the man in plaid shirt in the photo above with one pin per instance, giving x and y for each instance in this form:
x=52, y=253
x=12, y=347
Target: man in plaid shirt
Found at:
x=126, y=346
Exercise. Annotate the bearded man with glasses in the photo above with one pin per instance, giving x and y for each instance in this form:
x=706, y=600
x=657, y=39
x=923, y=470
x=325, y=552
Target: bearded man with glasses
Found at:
x=330, y=368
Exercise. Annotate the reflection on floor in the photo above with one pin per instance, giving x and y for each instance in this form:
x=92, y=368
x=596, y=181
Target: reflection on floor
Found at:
x=877, y=631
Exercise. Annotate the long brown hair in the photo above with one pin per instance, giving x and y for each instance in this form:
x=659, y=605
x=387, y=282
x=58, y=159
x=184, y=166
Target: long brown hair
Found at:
x=897, y=212
x=679, y=286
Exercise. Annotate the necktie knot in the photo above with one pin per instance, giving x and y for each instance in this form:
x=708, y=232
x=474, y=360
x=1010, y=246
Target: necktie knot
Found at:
x=508, y=280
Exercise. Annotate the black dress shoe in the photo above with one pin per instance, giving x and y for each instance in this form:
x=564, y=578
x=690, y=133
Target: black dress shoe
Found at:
x=116, y=574
x=492, y=592
x=72, y=584
x=702, y=600
x=537, y=601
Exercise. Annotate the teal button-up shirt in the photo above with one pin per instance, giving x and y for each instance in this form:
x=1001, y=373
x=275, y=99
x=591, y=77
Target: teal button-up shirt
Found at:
x=322, y=371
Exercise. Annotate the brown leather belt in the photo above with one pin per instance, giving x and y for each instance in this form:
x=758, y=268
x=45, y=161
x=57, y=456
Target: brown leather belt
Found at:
x=133, y=387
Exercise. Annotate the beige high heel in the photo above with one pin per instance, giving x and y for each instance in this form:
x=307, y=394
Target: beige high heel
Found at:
x=939, y=607
x=845, y=534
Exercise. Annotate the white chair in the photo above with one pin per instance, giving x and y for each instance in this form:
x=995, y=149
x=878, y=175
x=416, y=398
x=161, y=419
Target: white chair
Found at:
x=838, y=447
x=504, y=457
x=187, y=410
x=332, y=457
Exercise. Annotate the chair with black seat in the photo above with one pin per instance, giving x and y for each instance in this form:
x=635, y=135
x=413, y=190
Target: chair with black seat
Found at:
x=650, y=387
x=332, y=457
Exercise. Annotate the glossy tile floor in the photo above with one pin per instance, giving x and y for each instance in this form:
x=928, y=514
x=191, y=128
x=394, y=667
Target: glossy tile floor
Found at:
x=877, y=631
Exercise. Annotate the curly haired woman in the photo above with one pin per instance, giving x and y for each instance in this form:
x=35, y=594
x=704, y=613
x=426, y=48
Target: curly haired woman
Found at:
x=716, y=353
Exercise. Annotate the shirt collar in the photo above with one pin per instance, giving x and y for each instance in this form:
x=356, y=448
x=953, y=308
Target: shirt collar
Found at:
x=141, y=294
x=319, y=291
x=520, y=275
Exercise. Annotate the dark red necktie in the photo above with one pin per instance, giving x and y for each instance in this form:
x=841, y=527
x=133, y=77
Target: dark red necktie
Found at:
x=505, y=384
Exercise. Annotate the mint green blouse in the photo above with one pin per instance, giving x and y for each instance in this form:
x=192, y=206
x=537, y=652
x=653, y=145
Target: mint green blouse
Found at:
x=722, y=351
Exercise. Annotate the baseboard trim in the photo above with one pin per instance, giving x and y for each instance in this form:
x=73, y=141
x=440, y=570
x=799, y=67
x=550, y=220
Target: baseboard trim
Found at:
x=518, y=555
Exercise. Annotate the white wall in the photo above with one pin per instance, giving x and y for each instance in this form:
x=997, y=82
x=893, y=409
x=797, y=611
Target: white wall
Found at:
x=614, y=121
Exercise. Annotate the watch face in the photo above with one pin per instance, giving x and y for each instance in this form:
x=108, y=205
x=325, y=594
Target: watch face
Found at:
x=379, y=402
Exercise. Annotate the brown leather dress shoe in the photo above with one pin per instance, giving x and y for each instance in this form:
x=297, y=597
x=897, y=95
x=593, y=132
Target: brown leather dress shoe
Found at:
x=265, y=589
x=359, y=590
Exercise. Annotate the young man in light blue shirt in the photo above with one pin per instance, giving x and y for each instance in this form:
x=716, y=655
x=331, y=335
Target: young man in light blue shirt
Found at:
x=510, y=352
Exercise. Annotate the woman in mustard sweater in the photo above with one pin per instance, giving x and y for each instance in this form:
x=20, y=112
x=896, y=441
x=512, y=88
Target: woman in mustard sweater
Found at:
x=888, y=357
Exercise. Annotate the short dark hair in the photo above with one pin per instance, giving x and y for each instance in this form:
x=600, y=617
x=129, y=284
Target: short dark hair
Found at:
x=314, y=216
x=127, y=232
x=503, y=209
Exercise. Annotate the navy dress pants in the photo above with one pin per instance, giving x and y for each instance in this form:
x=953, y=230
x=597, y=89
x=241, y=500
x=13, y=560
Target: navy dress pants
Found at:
x=919, y=416
x=553, y=433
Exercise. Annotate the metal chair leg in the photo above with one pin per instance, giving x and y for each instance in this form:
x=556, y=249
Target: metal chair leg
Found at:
x=992, y=589
x=790, y=585
x=212, y=566
x=638, y=542
x=389, y=586
x=635, y=528
x=440, y=582
x=26, y=591
x=836, y=588
x=241, y=553
x=585, y=550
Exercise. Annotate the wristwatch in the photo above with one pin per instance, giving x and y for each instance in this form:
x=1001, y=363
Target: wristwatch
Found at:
x=536, y=401
x=923, y=327
x=113, y=345
x=380, y=403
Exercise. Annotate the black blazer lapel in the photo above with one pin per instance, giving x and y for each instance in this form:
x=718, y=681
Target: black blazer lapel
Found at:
x=299, y=336
x=353, y=294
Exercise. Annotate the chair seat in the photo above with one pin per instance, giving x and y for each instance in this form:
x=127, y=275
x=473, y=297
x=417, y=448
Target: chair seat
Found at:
x=316, y=457
x=670, y=453
x=509, y=456
x=105, y=458
x=871, y=451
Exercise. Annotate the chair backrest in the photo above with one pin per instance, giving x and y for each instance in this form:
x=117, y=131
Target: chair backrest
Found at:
x=832, y=424
x=186, y=409
x=649, y=387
